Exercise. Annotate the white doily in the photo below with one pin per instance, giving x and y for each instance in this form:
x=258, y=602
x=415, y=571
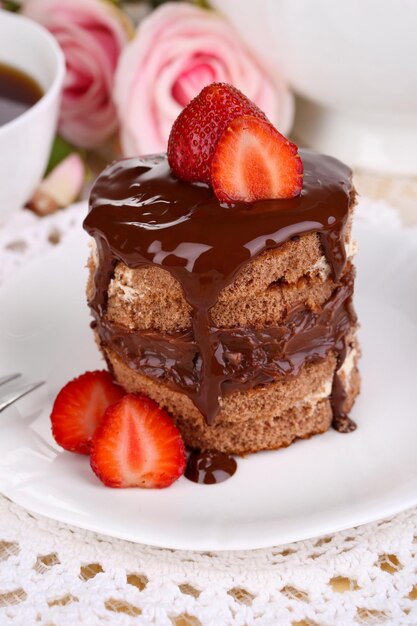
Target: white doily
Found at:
x=55, y=575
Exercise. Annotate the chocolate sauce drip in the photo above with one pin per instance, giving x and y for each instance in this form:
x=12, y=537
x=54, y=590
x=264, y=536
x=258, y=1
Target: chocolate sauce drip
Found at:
x=341, y=420
x=107, y=263
x=210, y=467
x=141, y=214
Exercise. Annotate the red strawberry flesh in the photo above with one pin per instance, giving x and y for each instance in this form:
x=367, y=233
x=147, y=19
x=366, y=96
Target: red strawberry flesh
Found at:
x=137, y=445
x=253, y=161
x=198, y=127
x=79, y=408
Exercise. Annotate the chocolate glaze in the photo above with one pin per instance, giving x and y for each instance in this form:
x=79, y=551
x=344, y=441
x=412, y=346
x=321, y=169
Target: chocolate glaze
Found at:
x=210, y=467
x=141, y=214
x=341, y=421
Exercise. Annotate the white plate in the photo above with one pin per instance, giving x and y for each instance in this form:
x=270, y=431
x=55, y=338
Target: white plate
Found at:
x=314, y=487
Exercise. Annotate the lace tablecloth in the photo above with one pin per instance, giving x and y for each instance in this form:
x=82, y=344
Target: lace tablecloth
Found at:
x=56, y=575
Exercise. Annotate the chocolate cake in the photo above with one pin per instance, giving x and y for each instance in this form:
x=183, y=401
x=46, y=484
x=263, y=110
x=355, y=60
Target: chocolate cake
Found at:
x=236, y=318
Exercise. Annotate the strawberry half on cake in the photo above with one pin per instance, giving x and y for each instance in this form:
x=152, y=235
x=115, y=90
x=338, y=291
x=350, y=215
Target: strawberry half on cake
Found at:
x=221, y=279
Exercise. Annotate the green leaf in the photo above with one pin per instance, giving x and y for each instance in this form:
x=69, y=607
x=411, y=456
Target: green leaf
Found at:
x=60, y=149
x=11, y=5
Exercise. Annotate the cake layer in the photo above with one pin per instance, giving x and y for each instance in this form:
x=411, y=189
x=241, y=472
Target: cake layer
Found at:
x=150, y=298
x=267, y=417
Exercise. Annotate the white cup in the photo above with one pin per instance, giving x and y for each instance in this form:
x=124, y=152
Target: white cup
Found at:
x=353, y=66
x=25, y=141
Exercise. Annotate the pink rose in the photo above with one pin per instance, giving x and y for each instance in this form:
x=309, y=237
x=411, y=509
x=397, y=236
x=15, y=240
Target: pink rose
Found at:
x=91, y=34
x=176, y=51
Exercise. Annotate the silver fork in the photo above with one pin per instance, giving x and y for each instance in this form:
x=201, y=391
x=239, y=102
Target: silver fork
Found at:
x=12, y=388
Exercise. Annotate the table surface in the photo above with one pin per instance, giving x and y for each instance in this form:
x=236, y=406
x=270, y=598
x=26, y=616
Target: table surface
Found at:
x=55, y=575
x=400, y=192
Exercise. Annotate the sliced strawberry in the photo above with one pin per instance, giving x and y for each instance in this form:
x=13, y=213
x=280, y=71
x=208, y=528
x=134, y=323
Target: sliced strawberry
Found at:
x=137, y=445
x=253, y=161
x=199, y=126
x=79, y=408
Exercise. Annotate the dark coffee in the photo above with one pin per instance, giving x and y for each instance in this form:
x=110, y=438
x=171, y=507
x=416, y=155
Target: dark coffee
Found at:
x=18, y=92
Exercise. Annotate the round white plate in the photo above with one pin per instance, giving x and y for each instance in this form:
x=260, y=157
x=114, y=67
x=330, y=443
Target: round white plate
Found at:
x=314, y=487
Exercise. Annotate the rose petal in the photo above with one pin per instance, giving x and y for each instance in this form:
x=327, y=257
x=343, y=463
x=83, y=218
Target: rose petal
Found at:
x=176, y=51
x=92, y=34
x=60, y=188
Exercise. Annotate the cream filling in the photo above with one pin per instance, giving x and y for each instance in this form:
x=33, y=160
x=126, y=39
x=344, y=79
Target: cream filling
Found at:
x=348, y=365
x=123, y=288
x=116, y=287
x=321, y=266
x=128, y=293
x=347, y=368
x=314, y=398
x=351, y=249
